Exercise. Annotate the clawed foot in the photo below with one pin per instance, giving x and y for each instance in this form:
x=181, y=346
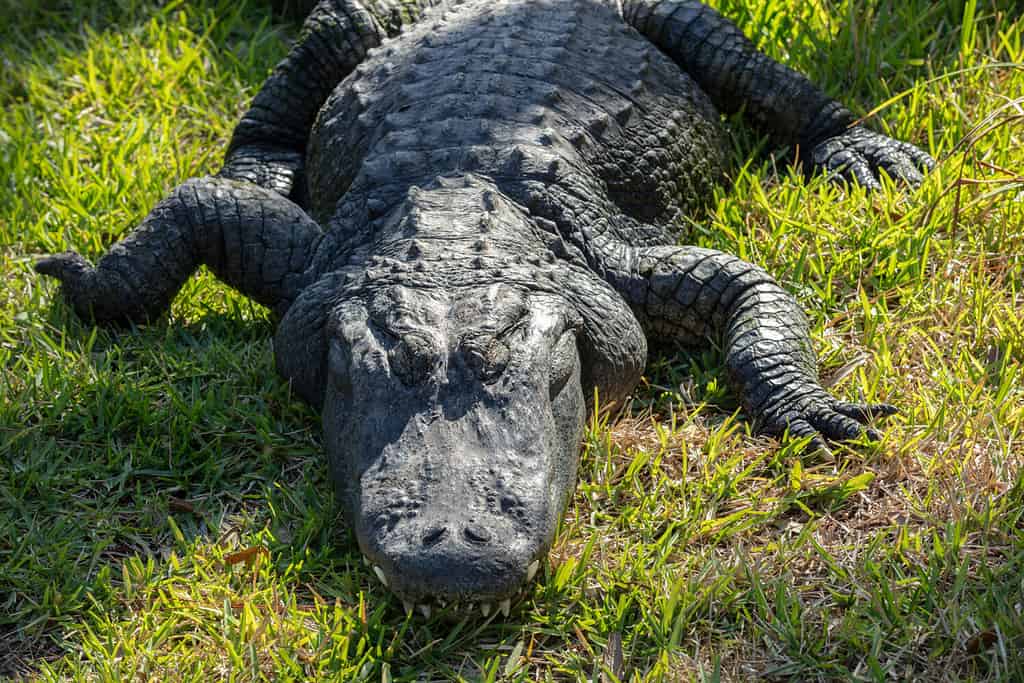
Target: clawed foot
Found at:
x=95, y=295
x=822, y=417
x=858, y=155
x=68, y=267
x=76, y=275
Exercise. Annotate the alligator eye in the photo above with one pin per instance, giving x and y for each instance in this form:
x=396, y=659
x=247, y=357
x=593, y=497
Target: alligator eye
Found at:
x=488, y=360
x=412, y=359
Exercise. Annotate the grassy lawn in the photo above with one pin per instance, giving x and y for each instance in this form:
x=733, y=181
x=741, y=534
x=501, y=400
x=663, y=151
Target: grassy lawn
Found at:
x=165, y=512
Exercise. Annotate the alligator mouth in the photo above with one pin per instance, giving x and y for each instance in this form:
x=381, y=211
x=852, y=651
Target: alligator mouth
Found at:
x=459, y=608
x=462, y=562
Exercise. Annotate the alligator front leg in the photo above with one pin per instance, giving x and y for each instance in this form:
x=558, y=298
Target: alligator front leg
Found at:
x=689, y=295
x=254, y=239
x=773, y=97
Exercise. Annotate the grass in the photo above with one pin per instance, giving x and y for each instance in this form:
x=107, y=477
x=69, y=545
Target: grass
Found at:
x=164, y=508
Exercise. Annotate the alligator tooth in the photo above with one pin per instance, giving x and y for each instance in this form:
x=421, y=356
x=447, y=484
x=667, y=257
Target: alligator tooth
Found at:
x=485, y=607
x=408, y=607
x=531, y=571
x=424, y=610
x=505, y=606
x=380, y=575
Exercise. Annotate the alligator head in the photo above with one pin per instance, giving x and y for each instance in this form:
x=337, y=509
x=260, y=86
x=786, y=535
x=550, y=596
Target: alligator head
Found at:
x=453, y=425
x=453, y=409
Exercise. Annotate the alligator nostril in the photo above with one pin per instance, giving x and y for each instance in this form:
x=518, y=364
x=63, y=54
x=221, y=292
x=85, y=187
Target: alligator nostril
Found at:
x=476, y=534
x=434, y=535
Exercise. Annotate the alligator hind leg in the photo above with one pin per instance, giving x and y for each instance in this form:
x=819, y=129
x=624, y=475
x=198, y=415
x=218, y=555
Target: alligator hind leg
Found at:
x=268, y=146
x=255, y=240
x=773, y=97
x=688, y=295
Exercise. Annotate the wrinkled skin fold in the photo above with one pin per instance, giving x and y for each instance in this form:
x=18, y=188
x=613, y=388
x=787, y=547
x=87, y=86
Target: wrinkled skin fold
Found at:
x=461, y=214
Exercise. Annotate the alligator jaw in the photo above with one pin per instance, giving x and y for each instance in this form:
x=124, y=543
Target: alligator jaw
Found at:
x=459, y=609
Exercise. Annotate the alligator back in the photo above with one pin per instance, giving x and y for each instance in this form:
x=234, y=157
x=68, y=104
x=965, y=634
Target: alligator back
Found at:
x=555, y=100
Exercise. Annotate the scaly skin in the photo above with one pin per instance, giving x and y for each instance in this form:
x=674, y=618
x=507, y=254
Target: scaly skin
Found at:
x=461, y=215
x=775, y=99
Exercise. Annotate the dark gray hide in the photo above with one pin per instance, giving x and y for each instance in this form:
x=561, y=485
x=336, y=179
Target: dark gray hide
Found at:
x=462, y=215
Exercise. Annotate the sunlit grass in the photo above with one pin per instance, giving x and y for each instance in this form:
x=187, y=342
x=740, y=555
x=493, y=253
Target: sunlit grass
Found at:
x=165, y=512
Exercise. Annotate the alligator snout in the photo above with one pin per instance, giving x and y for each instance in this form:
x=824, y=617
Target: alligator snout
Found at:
x=464, y=561
x=442, y=525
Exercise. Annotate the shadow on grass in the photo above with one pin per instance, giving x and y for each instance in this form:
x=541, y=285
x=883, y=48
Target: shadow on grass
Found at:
x=167, y=430
x=189, y=422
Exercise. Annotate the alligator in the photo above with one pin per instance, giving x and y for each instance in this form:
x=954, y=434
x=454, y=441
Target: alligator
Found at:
x=462, y=216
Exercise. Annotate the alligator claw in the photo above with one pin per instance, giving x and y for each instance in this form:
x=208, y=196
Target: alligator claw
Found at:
x=858, y=155
x=799, y=429
x=95, y=294
x=822, y=418
x=864, y=412
x=69, y=267
x=77, y=279
x=56, y=265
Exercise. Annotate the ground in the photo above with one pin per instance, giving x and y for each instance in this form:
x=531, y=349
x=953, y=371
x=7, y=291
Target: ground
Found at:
x=164, y=508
